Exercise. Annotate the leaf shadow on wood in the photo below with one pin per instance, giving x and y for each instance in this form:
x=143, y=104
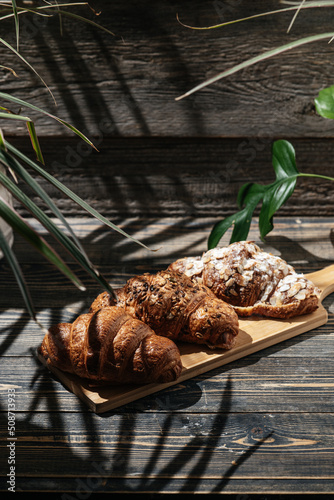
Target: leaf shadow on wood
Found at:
x=159, y=64
x=12, y=331
x=115, y=248
x=164, y=66
x=74, y=63
x=199, y=449
x=104, y=464
x=301, y=256
x=9, y=334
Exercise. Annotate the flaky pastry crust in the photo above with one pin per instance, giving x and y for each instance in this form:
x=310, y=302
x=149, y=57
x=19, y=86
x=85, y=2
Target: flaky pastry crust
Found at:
x=252, y=281
x=177, y=307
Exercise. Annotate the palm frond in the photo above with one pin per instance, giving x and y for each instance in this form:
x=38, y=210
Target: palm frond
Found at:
x=71, y=195
x=17, y=271
x=254, y=60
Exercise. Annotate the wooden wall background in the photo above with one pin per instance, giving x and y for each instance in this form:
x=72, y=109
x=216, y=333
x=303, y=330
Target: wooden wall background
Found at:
x=158, y=156
x=166, y=170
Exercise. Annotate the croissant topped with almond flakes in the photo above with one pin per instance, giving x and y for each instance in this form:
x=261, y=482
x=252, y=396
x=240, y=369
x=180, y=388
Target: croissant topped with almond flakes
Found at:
x=176, y=307
x=109, y=346
x=252, y=281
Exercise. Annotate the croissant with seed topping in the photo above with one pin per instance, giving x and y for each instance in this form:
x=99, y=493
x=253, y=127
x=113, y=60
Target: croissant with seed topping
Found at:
x=109, y=346
x=176, y=307
x=252, y=281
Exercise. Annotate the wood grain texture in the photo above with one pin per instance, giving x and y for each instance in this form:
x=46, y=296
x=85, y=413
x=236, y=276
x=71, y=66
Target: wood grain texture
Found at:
x=191, y=177
x=158, y=156
x=261, y=424
x=166, y=171
x=254, y=335
x=161, y=449
x=129, y=82
x=259, y=383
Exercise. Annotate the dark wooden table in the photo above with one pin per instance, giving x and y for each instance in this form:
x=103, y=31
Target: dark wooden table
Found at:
x=166, y=171
x=262, y=424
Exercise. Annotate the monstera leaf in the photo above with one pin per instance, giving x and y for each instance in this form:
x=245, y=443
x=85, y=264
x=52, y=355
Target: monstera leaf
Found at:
x=324, y=103
x=272, y=196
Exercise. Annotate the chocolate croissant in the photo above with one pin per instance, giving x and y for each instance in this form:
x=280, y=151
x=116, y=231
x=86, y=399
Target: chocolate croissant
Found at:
x=176, y=307
x=111, y=347
x=252, y=281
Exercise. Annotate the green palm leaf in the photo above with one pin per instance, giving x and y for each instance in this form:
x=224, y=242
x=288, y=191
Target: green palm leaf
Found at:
x=27, y=63
x=254, y=60
x=14, y=166
x=20, y=102
x=53, y=229
x=34, y=141
x=13, y=262
x=298, y=6
x=70, y=194
x=19, y=225
x=16, y=17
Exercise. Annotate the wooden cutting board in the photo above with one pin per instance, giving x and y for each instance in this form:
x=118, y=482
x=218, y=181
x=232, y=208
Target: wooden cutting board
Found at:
x=255, y=334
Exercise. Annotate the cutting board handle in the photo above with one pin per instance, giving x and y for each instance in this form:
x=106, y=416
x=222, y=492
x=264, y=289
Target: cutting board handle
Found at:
x=323, y=279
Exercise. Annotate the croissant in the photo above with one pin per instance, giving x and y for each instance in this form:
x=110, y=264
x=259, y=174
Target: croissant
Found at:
x=252, y=281
x=176, y=307
x=111, y=347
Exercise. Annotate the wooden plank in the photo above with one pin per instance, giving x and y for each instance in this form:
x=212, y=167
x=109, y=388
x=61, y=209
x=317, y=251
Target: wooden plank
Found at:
x=305, y=242
x=130, y=82
x=255, y=334
x=156, y=448
x=258, y=383
x=252, y=489
x=189, y=177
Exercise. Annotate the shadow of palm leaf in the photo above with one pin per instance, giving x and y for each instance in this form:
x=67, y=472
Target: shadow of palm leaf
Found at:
x=229, y=473
x=108, y=463
x=202, y=448
x=300, y=254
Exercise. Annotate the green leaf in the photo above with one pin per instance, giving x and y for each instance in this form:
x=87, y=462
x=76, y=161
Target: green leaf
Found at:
x=242, y=224
x=284, y=159
x=13, y=262
x=219, y=229
x=16, y=17
x=35, y=141
x=324, y=103
x=70, y=194
x=14, y=166
x=2, y=141
x=26, y=231
x=20, y=102
x=254, y=60
x=272, y=196
x=13, y=116
x=250, y=194
x=275, y=196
